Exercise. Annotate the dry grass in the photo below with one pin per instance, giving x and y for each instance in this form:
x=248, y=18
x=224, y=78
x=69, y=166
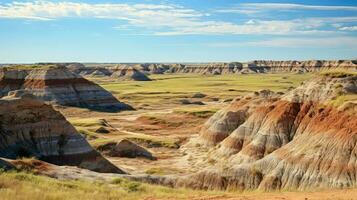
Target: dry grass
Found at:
x=24, y=186
x=337, y=73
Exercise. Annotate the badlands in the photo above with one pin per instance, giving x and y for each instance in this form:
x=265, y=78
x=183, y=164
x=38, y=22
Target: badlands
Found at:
x=256, y=130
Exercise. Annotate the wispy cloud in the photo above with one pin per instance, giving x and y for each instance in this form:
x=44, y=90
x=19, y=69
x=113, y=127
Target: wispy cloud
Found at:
x=348, y=28
x=307, y=42
x=252, y=8
x=346, y=42
x=259, y=27
x=154, y=14
x=169, y=19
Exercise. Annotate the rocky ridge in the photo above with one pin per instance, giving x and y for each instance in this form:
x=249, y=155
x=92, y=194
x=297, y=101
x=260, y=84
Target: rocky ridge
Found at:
x=257, y=66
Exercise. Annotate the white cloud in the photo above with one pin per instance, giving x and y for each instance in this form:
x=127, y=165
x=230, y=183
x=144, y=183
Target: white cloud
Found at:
x=167, y=19
x=307, y=42
x=326, y=42
x=136, y=13
x=348, y=28
x=290, y=6
x=271, y=27
x=253, y=8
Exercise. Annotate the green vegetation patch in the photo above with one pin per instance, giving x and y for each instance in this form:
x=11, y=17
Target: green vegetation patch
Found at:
x=340, y=100
x=338, y=73
x=204, y=112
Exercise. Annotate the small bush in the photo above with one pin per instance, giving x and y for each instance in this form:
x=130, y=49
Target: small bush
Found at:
x=129, y=186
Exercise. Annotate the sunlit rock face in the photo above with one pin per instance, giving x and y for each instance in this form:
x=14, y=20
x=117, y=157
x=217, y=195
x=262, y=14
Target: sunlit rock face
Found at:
x=304, y=66
x=129, y=73
x=219, y=68
x=31, y=128
x=58, y=85
x=299, y=141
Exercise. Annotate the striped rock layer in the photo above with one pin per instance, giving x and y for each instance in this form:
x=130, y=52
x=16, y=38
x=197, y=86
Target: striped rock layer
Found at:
x=58, y=85
x=29, y=127
x=296, y=142
x=257, y=66
x=130, y=73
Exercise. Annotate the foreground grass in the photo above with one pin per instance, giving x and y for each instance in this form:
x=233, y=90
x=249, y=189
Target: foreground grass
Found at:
x=22, y=185
x=337, y=73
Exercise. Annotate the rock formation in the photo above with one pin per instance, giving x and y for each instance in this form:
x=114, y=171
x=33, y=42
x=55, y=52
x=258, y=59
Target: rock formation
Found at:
x=296, y=141
x=31, y=128
x=304, y=66
x=129, y=73
x=125, y=148
x=58, y=85
x=257, y=66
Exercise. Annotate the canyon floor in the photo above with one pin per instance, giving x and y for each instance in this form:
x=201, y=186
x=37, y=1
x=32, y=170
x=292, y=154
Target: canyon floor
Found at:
x=169, y=110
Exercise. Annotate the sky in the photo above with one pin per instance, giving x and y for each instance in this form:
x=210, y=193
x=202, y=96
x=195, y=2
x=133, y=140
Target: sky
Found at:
x=176, y=30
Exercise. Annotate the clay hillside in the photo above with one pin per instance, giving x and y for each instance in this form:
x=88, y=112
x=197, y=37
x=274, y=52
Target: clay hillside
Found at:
x=129, y=73
x=57, y=85
x=256, y=66
x=31, y=128
x=302, y=140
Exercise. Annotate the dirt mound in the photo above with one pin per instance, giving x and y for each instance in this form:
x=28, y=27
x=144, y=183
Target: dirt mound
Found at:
x=125, y=148
x=35, y=129
x=58, y=85
x=130, y=73
x=199, y=95
x=297, y=141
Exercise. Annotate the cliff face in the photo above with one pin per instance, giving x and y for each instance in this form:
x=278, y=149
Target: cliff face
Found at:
x=310, y=65
x=296, y=142
x=58, y=85
x=257, y=66
x=29, y=127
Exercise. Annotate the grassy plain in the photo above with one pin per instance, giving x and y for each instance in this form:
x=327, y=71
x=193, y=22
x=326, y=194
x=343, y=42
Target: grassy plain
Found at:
x=168, y=87
x=25, y=186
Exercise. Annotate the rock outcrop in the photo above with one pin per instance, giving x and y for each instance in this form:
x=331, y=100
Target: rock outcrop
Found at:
x=31, y=128
x=257, y=66
x=297, y=141
x=304, y=66
x=58, y=85
x=125, y=148
x=129, y=73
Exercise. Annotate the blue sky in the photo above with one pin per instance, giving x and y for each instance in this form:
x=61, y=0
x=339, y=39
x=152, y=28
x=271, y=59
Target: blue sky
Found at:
x=176, y=30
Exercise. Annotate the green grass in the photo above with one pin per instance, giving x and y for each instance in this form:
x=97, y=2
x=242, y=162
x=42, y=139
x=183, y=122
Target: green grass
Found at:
x=87, y=126
x=338, y=73
x=342, y=99
x=167, y=87
x=23, y=186
x=141, y=139
x=88, y=122
x=202, y=112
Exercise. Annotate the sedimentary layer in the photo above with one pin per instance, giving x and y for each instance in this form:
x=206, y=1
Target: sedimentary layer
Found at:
x=298, y=141
x=31, y=128
x=58, y=85
x=257, y=66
